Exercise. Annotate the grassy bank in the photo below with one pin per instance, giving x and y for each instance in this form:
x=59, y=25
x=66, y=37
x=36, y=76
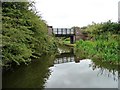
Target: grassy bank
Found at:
x=104, y=44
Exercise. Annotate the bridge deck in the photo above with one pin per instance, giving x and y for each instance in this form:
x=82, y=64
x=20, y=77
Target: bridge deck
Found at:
x=63, y=32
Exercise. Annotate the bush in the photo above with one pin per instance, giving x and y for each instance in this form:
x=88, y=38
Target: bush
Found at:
x=24, y=33
x=105, y=44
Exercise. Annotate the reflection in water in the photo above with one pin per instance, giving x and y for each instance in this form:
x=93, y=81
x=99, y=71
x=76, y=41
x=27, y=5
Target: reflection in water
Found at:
x=66, y=56
x=80, y=75
x=68, y=71
x=108, y=71
x=69, y=56
x=84, y=73
x=32, y=76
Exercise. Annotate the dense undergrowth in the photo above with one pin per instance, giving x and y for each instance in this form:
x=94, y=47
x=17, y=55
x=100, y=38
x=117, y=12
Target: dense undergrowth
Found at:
x=24, y=33
x=104, y=42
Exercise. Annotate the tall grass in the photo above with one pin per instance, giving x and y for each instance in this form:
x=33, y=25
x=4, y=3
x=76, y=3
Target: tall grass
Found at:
x=104, y=46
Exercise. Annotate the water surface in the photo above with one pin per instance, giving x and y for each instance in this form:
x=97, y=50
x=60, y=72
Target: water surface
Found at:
x=81, y=75
x=65, y=70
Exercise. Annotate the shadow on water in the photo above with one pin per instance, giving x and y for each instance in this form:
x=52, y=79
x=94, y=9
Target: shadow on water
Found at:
x=64, y=68
x=32, y=76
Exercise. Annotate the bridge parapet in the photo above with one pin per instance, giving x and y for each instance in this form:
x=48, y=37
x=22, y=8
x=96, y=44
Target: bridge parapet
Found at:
x=63, y=31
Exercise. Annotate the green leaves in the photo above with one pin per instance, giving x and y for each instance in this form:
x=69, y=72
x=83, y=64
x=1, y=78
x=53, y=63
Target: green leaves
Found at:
x=107, y=51
x=102, y=28
x=105, y=42
x=17, y=52
x=24, y=33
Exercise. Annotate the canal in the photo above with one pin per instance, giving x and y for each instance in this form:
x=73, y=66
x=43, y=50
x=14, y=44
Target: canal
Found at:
x=65, y=70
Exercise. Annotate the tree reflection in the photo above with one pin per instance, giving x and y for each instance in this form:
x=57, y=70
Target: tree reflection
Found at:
x=105, y=69
x=34, y=75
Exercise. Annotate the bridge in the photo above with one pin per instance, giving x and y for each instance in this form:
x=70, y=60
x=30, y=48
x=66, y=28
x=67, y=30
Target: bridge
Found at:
x=63, y=32
x=61, y=60
x=66, y=57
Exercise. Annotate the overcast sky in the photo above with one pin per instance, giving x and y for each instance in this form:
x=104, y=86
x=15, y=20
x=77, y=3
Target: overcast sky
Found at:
x=68, y=13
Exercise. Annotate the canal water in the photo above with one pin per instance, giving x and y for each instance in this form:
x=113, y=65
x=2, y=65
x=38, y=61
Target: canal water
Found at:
x=65, y=70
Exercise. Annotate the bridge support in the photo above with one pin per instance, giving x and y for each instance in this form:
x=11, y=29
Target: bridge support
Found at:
x=71, y=39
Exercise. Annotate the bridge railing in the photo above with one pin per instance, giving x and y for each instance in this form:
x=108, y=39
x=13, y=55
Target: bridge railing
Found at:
x=63, y=31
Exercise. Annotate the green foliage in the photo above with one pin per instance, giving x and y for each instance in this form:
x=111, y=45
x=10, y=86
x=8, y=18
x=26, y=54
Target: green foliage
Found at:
x=100, y=28
x=24, y=34
x=66, y=41
x=104, y=44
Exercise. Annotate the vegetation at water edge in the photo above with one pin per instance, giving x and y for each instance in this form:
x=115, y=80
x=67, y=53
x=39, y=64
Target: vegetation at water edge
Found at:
x=24, y=33
x=104, y=42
